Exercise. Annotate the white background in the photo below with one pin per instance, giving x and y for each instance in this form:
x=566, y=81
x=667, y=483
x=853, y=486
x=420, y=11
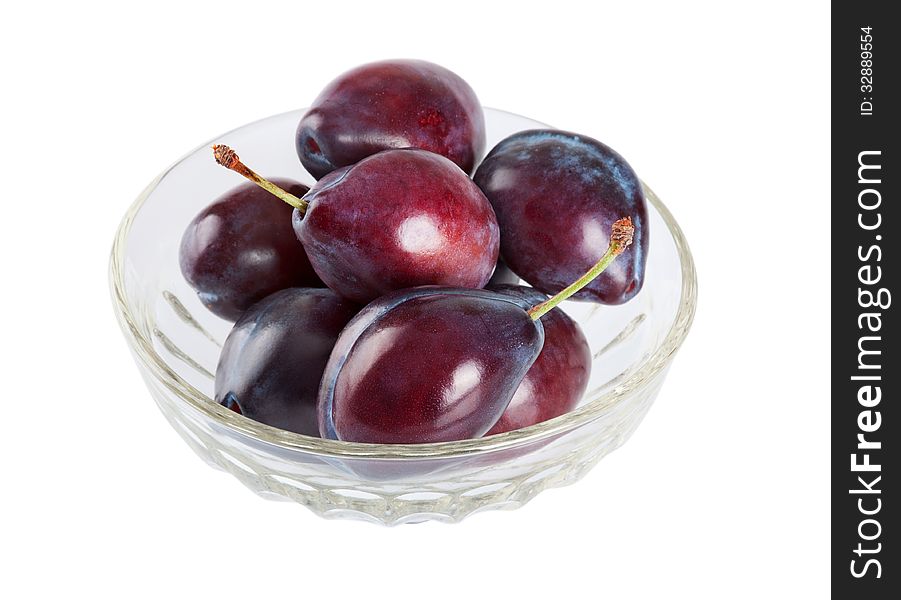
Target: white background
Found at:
x=722, y=492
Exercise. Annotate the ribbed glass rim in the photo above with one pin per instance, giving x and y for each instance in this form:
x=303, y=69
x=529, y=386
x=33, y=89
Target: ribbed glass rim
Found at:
x=597, y=408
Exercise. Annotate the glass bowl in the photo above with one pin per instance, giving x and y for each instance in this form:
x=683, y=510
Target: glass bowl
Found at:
x=176, y=341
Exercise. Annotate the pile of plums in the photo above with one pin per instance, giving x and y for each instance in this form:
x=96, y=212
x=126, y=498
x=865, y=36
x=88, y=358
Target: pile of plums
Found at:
x=381, y=304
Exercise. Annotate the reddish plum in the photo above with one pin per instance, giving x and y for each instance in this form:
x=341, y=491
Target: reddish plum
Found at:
x=556, y=195
x=241, y=248
x=272, y=361
x=391, y=104
x=398, y=219
x=557, y=379
x=428, y=364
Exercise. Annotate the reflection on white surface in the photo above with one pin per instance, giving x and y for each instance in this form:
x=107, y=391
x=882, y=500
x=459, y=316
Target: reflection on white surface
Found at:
x=465, y=378
x=503, y=179
x=594, y=238
x=420, y=235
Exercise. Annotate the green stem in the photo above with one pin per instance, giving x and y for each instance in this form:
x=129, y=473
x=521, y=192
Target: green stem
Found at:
x=620, y=238
x=226, y=157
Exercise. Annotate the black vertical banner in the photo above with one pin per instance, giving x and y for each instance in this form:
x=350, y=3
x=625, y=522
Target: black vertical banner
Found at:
x=866, y=368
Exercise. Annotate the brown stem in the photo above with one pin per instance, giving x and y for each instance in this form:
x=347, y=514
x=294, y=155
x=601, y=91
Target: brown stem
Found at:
x=227, y=157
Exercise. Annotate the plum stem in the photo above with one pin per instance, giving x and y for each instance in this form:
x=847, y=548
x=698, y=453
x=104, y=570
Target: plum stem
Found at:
x=227, y=157
x=620, y=238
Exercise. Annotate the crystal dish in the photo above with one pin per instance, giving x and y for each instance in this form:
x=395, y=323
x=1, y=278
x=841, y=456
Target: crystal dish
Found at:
x=176, y=341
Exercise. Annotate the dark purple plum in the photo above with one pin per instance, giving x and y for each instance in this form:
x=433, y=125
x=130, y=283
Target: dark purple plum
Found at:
x=556, y=195
x=428, y=364
x=557, y=379
x=272, y=361
x=398, y=219
x=241, y=248
x=391, y=104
